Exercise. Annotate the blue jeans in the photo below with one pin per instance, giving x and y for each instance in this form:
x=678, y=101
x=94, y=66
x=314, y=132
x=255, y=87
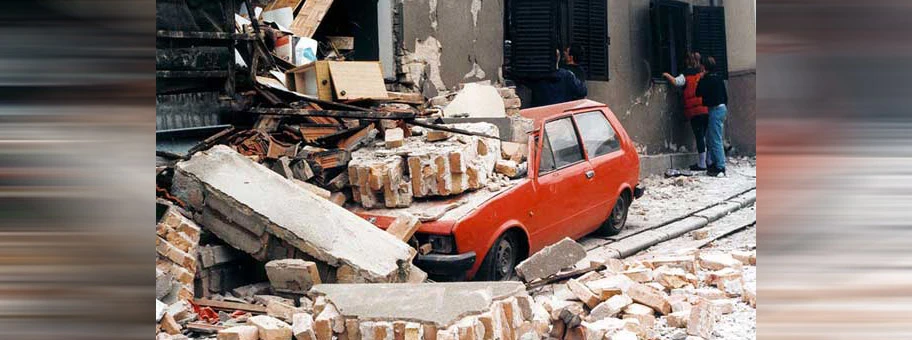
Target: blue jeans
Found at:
x=714, y=135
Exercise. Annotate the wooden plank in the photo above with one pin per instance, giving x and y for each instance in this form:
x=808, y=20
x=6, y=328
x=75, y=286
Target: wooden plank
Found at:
x=309, y=18
x=357, y=79
x=331, y=113
x=230, y=306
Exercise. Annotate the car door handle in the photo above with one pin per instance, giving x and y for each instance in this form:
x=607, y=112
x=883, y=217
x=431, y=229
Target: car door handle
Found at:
x=590, y=174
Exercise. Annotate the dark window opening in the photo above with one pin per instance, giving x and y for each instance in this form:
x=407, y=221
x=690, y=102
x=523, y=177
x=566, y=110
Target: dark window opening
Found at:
x=669, y=36
x=676, y=31
x=533, y=29
x=351, y=18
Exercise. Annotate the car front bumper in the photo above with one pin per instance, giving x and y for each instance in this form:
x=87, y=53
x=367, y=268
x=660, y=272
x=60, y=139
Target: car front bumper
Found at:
x=446, y=264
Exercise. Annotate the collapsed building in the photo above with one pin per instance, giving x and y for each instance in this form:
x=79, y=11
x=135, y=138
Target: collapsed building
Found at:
x=276, y=120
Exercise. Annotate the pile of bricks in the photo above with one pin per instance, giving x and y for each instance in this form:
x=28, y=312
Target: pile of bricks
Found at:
x=511, y=318
x=437, y=163
x=176, y=242
x=628, y=299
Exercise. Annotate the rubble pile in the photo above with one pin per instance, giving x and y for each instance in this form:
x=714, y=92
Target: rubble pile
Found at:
x=269, y=217
x=436, y=164
x=629, y=298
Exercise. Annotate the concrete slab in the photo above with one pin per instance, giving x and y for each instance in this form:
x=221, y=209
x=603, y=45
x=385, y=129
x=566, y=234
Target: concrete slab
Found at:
x=683, y=226
x=746, y=198
x=551, y=260
x=718, y=211
x=304, y=220
x=439, y=303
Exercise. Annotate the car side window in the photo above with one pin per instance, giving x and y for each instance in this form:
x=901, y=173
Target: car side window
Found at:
x=546, y=163
x=564, y=142
x=598, y=135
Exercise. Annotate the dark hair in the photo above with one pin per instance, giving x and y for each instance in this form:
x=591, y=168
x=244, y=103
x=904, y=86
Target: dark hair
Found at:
x=709, y=63
x=577, y=52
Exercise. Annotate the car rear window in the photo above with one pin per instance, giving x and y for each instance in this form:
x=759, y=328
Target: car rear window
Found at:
x=564, y=142
x=598, y=135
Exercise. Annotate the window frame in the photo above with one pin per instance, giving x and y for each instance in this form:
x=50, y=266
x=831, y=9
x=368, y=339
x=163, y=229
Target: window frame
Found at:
x=561, y=32
x=620, y=145
x=578, y=142
x=676, y=63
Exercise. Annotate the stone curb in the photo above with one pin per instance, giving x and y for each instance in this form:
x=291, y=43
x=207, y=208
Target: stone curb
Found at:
x=699, y=219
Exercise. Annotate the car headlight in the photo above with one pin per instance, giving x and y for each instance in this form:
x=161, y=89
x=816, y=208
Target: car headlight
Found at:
x=444, y=244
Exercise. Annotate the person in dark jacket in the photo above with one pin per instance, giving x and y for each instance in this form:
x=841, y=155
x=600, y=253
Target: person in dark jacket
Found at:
x=572, y=55
x=712, y=89
x=560, y=86
x=694, y=111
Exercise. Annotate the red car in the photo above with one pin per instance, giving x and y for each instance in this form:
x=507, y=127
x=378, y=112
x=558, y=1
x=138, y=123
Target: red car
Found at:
x=582, y=176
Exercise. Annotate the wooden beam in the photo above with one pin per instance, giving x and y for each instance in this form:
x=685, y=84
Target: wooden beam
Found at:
x=230, y=306
x=332, y=113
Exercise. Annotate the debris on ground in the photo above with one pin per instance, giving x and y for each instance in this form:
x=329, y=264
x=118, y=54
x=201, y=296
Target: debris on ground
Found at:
x=651, y=296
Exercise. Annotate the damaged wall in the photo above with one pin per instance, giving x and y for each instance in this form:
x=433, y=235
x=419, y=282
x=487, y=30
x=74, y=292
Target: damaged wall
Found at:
x=444, y=43
x=651, y=111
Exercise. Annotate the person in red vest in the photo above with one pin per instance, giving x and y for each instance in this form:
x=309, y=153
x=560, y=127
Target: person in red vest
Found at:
x=693, y=104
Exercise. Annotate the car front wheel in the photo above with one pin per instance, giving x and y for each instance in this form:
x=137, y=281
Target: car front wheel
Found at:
x=498, y=264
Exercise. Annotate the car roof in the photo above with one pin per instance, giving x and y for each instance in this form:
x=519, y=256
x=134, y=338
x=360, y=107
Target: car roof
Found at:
x=543, y=113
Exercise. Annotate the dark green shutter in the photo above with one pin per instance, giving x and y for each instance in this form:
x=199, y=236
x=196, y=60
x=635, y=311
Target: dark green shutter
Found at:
x=532, y=36
x=709, y=34
x=589, y=29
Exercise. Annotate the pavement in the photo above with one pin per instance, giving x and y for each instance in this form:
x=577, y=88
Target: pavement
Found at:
x=672, y=207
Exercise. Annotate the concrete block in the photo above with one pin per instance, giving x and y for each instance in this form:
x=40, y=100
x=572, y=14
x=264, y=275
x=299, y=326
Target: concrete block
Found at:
x=673, y=277
x=404, y=226
x=302, y=327
x=292, y=275
x=239, y=333
x=640, y=275
x=701, y=321
x=311, y=224
x=684, y=262
x=723, y=306
x=649, y=297
x=583, y=293
x=436, y=303
x=610, y=308
x=551, y=260
x=509, y=168
x=281, y=310
x=271, y=328
x=678, y=319
x=717, y=261
x=394, y=138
